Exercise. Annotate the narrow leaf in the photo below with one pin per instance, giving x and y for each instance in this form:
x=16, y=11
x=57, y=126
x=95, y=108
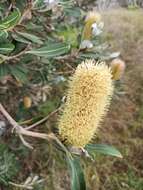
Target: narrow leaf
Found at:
x=4, y=70
x=114, y=55
x=3, y=35
x=19, y=72
x=92, y=55
x=30, y=37
x=51, y=50
x=11, y=20
x=6, y=48
x=76, y=173
x=102, y=148
x=20, y=38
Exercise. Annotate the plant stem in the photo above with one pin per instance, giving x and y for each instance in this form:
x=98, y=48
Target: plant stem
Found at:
x=19, y=54
x=43, y=120
x=21, y=131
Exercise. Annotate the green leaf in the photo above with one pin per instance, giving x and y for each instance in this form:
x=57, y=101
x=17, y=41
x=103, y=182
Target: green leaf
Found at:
x=76, y=12
x=70, y=35
x=10, y=21
x=6, y=48
x=90, y=55
x=19, y=72
x=4, y=70
x=52, y=50
x=114, y=55
x=102, y=148
x=3, y=35
x=30, y=37
x=20, y=39
x=76, y=173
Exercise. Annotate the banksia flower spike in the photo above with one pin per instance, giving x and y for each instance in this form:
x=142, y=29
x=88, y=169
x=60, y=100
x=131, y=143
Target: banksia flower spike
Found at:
x=117, y=68
x=91, y=18
x=88, y=98
x=93, y=26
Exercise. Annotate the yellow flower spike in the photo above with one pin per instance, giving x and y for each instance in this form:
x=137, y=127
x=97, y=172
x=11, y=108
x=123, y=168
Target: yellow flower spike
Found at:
x=118, y=68
x=88, y=98
x=91, y=18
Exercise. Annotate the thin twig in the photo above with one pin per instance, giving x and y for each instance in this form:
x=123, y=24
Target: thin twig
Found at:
x=24, y=142
x=9, y=9
x=19, y=54
x=64, y=72
x=8, y=117
x=43, y=120
x=26, y=12
x=25, y=122
x=18, y=185
x=68, y=65
x=21, y=131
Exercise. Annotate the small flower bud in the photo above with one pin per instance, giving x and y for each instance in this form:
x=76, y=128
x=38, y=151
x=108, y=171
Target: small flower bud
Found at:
x=27, y=102
x=117, y=68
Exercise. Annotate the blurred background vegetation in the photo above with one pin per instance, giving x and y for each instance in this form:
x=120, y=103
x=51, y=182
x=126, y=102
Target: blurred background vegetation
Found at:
x=39, y=49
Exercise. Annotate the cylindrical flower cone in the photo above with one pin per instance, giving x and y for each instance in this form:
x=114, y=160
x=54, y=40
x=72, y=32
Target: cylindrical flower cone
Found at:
x=92, y=17
x=88, y=98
